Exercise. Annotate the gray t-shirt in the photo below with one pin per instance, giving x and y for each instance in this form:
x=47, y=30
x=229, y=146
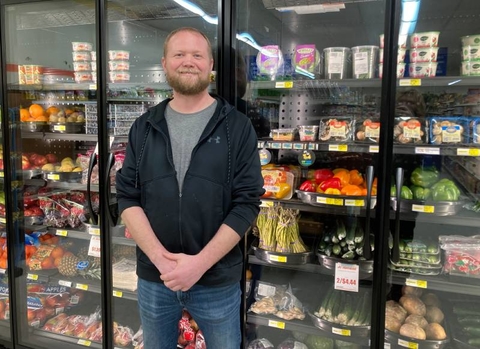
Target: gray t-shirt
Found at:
x=185, y=131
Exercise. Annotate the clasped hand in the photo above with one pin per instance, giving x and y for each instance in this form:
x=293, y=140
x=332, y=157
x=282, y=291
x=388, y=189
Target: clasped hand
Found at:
x=184, y=273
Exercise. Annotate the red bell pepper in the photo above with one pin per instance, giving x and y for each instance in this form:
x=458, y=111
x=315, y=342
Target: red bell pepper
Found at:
x=333, y=183
x=322, y=175
x=308, y=185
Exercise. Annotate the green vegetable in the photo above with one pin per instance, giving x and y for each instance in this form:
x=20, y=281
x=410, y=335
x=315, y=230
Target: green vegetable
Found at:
x=317, y=342
x=351, y=232
x=420, y=193
x=474, y=342
x=445, y=190
x=336, y=249
x=469, y=320
x=405, y=193
x=424, y=177
x=472, y=331
x=358, y=309
x=358, y=235
x=334, y=298
x=347, y=310
x=349, y=255
x=324, y=305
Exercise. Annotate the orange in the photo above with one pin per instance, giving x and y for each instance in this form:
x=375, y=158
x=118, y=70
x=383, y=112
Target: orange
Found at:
x=24, y=114
x=57, y=262
x=41, y=118
x=3, y=263
x=51, y=110
x=57, y=252
x=47, y=263
x=68, y=111
x=36, y=110
x=29, y=250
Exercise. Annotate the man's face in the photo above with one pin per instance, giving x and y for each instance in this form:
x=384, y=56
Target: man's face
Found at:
x=187, y=63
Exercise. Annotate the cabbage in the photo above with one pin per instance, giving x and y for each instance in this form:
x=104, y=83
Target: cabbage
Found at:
x=316, y=342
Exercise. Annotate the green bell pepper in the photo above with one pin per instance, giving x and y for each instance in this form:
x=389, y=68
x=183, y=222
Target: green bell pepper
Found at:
x=445, y=190
x=420, y=193
x=405, y=192
x=424, y=177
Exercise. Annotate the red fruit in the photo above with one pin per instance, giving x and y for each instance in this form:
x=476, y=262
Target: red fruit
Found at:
x=30, y=314
x=51, y=158
x=25, y=163
x=1, y=164
x=40, y=160
x=37, y=211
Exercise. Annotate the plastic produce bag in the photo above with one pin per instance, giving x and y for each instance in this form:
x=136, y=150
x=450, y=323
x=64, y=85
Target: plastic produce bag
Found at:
x=290, y=343
x=261, y=343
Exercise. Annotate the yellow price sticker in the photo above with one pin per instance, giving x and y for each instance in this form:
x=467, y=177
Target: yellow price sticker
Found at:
x=284, y=84
x=468, y=152
x=33, y=277
x=280, y=259
x=265, y=203
x=341, y=332
x=407, y=344
x=276, y=324
x=423, y=208
x=94, y=231
x=374, y=149
x=1, y=174
x=92, y=86
x=3, y=220
x=357, y=203
x=59, y=127
x=118, y=294
x=53, y=177
x=82, y=287
x=84, y=342
x=61, y=232
x=338, y=147
x=410, y=82
x=416, y=283
x=335, y=202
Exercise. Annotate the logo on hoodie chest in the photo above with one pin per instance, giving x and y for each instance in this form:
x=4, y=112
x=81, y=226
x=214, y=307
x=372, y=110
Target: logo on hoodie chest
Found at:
x=214, y=140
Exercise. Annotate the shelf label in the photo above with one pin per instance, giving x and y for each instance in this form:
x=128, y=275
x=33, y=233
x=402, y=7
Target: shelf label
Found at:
x=276, y=324
x=346, y=277
x=280, y=259
x=386, y=346
x=3, y=271
x=82, y=287
x=265, y=203
x=33, y=277
x=84, y=342
x=61, y=232
x=53, y=177
x=358, y=203
x=341, y=332
x=410, y=82
x=266, y=290
x=407, y=344
x=312, y=146
x=2, y=174
x=329, y=201
x=59, y=127
x=338, y=147
x=59, y=310
x=3, y=220
x=65, y=283
x=427, y=150
x=374, y=149
x=468, y=152
x=284, y=84
x=94, y=247
x=298, y=146
x=92, y=86
x=423, y=208
x=93, y=231
x=118, y=294
x=416, y=283
x=276, y=145
x=287, y=146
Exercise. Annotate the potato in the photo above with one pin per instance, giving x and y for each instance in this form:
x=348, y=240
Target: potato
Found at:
x=395, y=310
x=392, y=324
x=431, y=299
x=434, y=314
x=412, y=290
x=417, y=320
x=412, y=331
x=413, y=305
x=435, y=331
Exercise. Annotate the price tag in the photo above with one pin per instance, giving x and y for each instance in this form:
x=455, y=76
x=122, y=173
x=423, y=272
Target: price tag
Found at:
x=410, y=82
x=284, y=84
x=341, y=332
x=427, y=150
x=298, y=146
x=374, y=149
x=358, y=203
x=33, y=277
x=82, y=287
x=61, y=232
x=407, y=344
x=287, y=146
x=312, y=146
x=346, y=277
x=94, y=247
x=276, y=145
x=416, y=283
x=276, y=324
x=468, y=152
x=3, y=220
x=59, y=310
x=3, y=271
x=265, y=203
x=2, y=174
x=423, y=208
x=94, y=231
x=84, y=342
x=59, y=127
x=280, y=259
x=65, y=283
x=118, y=294
x=92, y=86
x=53, y=177
x=329, y=201
x=386, y=346
x=338, y=147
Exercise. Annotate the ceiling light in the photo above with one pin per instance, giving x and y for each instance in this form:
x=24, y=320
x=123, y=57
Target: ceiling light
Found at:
x=309, y=9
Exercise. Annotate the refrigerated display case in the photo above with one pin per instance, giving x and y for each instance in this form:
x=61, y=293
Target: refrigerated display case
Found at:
x=380, y=95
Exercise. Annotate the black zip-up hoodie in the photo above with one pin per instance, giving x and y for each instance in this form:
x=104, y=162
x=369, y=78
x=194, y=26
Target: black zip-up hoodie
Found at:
x=223, y=184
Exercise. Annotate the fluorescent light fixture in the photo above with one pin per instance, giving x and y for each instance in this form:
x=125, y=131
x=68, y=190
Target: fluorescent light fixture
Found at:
x=197, y=10
x=304, y=72
x=248, y=39
x=454, y=82
x=410, y=9
x=309, y=9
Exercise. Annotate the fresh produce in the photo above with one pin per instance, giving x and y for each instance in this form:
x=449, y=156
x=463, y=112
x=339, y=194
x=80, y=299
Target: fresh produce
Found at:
x=420, y=193
x=317, y=342
x=445, y=190
x=435, y=331
x=331, y=183
x=412, y=331
x=405, y=192
x=261, y=343
x=290, y=343
x=308, y=186
x=424, y=177
x=413, y=305
x=322, y=175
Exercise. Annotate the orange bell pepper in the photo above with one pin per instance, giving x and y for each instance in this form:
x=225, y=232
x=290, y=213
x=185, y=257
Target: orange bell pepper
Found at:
x=356, y=177
x=344, y=177
x=351, y=189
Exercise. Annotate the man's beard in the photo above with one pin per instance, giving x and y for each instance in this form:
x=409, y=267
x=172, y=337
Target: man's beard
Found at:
x=190, y=86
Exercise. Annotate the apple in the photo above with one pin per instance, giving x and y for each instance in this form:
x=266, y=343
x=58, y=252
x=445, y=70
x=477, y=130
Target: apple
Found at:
x=40, y=160
x=25, y=163
x=51, y=158
x=28, y=213
x=1, y=164
x=37, y=211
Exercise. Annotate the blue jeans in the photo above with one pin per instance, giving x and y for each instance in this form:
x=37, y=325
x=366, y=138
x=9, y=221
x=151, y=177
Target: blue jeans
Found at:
x=215, y=309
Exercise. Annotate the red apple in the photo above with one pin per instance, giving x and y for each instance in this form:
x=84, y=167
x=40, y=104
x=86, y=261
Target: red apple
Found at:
x=37, y=211
x=1, y=164
x=28, y=213
x=32, y=157
x=51, y=158
x=40, y=160
x=25, y=163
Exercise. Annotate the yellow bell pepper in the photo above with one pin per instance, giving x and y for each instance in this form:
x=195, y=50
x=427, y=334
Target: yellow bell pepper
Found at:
x=283, y=190
x=332, y=191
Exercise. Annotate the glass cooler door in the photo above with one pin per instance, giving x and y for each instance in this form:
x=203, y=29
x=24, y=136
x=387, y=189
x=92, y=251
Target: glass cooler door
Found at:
x=432, y=296
x=309, y=78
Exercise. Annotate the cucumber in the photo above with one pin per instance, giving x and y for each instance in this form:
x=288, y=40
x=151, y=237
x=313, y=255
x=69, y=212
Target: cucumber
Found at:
x=358, y=234
x=467, y=320
x=343, y=243
x=331, y=302
x=345, y=249
x=321, y=246
x=337, y=309
x=328, y=250
x=359, y=250
x=365, y=313
x=335, y=239
x=473, y=331
x=336, y=249
x=474, y=341
x=351, y=232
x=349, y=308
x=341, y=231
x=326, y=299
x=349, y=255
x=463, y=311
x=358, y=309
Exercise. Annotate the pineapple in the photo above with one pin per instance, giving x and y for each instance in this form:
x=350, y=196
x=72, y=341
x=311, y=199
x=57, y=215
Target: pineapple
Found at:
x=124, y=251
x=68, y=265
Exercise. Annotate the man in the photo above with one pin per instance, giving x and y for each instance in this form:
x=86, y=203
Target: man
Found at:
x=188, y=191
